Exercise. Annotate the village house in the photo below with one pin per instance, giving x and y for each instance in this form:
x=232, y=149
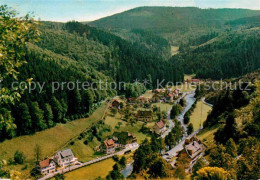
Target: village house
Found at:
x=194, y=147
x=176, y=92
x=195, y=81
x=144, y=115
x=47, y=166
x=123, y=139
x=108, y=146
x=160, y=127
x=142, y=100
x=131, y=100
x=169, y=98
x=65, y=158
x=115, y=104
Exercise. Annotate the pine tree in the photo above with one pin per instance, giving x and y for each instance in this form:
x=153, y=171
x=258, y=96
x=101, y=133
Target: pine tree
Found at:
x=24, y=120
x=57, y=110
x=48, y=115
x=231, y=147
x=37, y=117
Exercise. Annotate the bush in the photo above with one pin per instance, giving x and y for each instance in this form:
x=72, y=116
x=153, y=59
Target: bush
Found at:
x=115, y=158
x=19, y=157
x=190, y=128
x=72, y=143
x=122, y=161
x=186, y=118
x=86, y=142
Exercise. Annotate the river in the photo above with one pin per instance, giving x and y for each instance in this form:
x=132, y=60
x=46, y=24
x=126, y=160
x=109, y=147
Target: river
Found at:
x=190, y=99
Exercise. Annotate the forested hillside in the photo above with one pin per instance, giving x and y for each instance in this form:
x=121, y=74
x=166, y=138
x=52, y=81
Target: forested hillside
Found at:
x=231, y=54
x=179, y=25
x=236, y=142
x=170, y=19
x=71, y=53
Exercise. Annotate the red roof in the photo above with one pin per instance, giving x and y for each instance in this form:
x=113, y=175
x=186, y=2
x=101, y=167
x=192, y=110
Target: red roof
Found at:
x=44, y=163
x=195, y=80
x=160, y=124
x=109, y=143
x=171, y=95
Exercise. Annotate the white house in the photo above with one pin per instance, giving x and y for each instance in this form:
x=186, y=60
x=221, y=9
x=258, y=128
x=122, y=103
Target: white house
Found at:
x=47, y=166
x=65, y=158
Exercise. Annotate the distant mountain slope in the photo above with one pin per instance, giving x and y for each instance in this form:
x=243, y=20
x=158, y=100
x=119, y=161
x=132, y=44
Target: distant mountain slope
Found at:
x=170, y=19
x=245, y=21
x=230, y=55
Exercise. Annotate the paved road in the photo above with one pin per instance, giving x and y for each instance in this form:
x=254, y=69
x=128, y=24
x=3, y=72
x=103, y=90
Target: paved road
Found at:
x=71, y=168
x=189, y=102
x=174, y=151
x=203, y=100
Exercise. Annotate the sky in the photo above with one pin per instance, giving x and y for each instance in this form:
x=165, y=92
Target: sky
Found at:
x=89, y=10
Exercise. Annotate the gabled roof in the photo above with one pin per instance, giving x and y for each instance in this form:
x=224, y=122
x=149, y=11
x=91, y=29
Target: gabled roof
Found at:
x=45, y=163
x=194, y=148
x=67, y=153
x=109, y=143
x=160, y=124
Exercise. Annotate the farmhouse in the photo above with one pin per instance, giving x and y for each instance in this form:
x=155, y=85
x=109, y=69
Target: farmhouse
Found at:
x=65, y=158
x=160, y=127
x=144, y=115
x=123, y=139
x=108, y=146
x=47, y=166
x=194, y=147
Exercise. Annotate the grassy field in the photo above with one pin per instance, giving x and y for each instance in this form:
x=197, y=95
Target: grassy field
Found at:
x=148, y=94
x=163, y=106
x=199, y=114
x=207, y=135
x=134, y=129
x=85, y=152
x=50, y=140
x=93, y=171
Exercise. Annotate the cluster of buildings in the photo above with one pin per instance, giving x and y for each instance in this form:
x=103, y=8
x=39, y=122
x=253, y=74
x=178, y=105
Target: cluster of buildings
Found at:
x=120, y=140
x=168, y=96
x=61, y=159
